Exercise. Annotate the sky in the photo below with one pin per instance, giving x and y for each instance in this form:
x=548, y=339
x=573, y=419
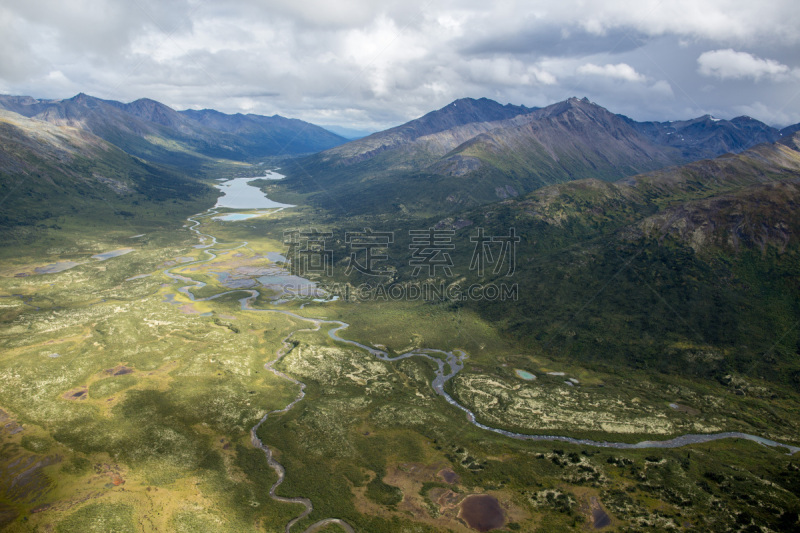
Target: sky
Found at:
x=370, y=65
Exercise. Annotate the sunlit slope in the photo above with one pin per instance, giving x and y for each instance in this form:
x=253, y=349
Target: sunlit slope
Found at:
x=56, y=176
x=187, y=140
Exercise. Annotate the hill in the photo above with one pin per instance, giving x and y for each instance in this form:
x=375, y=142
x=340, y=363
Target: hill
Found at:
x=692, y=269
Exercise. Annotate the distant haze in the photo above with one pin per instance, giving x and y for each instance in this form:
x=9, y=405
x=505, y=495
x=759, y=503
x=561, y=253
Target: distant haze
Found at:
x=368, y=65
x=348, y=133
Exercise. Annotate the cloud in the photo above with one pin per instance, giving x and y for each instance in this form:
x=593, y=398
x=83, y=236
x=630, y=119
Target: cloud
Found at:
x=505, y=72
x=552, y=41
x=624, y=22
x=18, y=61
x=769, y=114
x=729, y=64
x=377, y=64
x=620, y=71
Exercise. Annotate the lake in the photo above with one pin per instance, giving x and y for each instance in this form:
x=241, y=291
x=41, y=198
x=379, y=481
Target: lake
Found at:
x=482, y=512
x=238, y=194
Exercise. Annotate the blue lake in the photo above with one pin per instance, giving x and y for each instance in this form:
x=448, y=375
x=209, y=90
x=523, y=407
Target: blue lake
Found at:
x=238, y=194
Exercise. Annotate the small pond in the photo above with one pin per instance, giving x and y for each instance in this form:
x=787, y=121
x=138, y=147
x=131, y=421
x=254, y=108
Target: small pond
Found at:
x=113, y=253
x=55, y=268
x=524, y=374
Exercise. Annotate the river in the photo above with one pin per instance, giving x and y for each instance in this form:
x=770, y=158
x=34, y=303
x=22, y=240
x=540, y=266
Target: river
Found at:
x=449, y=363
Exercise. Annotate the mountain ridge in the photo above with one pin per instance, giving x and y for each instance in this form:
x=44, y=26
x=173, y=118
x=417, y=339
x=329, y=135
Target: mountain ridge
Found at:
x=152, y=130
x=450, y=117
x=59, y=175
x=454, y=158
x=628, y=272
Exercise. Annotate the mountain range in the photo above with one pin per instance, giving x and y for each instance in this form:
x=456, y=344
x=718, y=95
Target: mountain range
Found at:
x=470, y=152
x=477, y=151
x=714, y=244
x=186, y=139
x=56, y=176
x=109, y=163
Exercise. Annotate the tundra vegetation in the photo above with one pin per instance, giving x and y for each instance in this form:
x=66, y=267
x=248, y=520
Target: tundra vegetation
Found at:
x=127, y=406
x=129, y=385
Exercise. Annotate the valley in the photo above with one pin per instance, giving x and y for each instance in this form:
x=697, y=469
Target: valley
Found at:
x=305, y=345
x=188, y=366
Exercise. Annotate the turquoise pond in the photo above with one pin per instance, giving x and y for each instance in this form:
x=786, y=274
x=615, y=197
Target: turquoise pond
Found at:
x=524, y=374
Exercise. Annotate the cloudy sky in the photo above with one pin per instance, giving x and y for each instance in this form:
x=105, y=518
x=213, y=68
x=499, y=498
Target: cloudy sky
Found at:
x=370, y=65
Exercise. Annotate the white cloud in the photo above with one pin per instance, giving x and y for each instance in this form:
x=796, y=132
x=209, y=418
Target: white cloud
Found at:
x=376, y=64
x=768, y=114
x=620, y=71
x=506, y=72
x=662, y=89
x=768, y=21
x=729, y=64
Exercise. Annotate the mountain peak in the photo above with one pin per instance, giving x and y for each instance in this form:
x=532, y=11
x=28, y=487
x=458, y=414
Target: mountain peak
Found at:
x=146, y=105
x=482, y=101
x=576, y=100
x=478, y=103
x=457, y=113
x=584, y=105
x=146, y=101
x=80, y=98
x=155, y=112
x=462, y=101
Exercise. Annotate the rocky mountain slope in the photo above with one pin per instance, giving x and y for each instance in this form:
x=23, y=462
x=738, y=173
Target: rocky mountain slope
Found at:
x=707, y=136
x=436, y=132
x=565, y=140
x=477, y=151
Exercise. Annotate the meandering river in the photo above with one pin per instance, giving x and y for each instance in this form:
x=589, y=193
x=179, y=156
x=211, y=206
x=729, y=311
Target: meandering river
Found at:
x=449, y=363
